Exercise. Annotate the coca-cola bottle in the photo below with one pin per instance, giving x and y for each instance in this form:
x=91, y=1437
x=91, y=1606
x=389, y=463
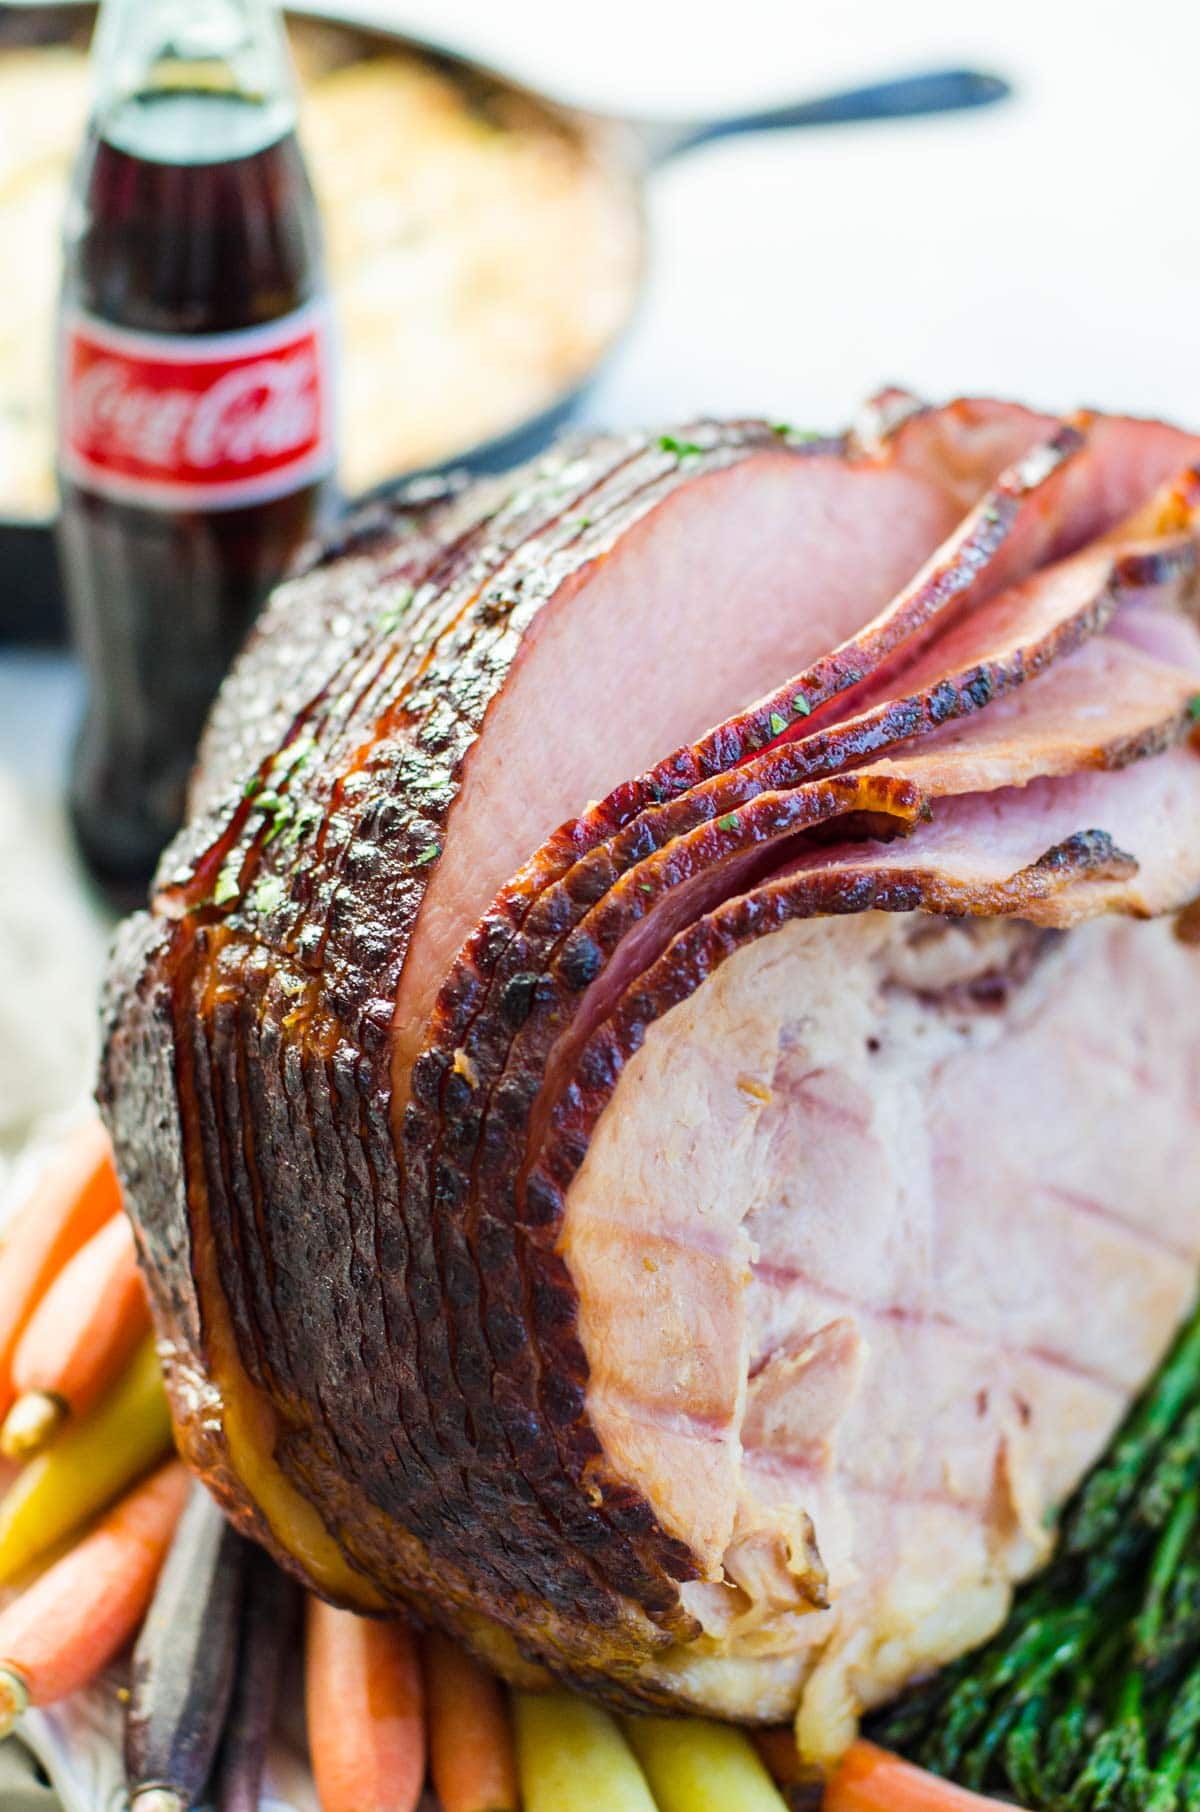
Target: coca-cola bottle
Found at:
x=195, y=406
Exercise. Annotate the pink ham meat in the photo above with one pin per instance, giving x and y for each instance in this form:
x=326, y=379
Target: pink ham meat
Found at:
x=657, y=1087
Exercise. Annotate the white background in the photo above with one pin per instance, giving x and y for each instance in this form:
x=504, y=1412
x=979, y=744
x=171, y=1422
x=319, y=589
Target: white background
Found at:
x=1049, y=249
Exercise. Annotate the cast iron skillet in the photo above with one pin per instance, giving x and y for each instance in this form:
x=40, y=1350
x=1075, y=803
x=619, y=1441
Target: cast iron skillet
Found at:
x=31, y=609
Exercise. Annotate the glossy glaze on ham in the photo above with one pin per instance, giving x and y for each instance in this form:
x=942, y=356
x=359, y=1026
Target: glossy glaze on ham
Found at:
x=657, y=1088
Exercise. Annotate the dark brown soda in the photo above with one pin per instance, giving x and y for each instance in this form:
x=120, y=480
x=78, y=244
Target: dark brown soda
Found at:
x=183, y=222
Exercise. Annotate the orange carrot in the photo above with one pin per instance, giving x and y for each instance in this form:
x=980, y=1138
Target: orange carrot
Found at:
x=873, y=1780
x=471, y=1753
x=80, y=1613
x=366, y=1717
x=78, y=1339
x=77, y=1194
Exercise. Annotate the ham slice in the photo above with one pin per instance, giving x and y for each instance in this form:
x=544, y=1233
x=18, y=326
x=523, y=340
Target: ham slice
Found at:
x=666, y=1006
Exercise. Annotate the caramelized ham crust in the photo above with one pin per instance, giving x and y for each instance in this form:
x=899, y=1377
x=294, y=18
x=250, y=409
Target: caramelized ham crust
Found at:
x=657, y=1086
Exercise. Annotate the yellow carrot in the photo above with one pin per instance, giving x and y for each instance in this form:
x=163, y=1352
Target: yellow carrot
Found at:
x=88, y=1466
x=695, y=1765
x=571, y=1757
x=76, y=1195
x=80, y=1613
x=78, y=1340
x=470, y=1742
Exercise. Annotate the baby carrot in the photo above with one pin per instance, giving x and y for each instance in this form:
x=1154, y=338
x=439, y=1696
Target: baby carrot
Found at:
x=874, y=1780
x=72, y=1621
x=77, y=1193
x=695, y=1765
x=573, y=1758
x=471, y=1753
x=269, y=1628
x=77, y=1340
x=777, y=1746
x=88, y=1466
x=184, y=1662
x=366, y=1725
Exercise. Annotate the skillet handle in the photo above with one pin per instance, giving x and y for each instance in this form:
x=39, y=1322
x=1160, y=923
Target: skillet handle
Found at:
x=936, y=91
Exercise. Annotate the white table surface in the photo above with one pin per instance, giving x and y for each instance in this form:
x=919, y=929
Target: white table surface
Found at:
x=1049, y=248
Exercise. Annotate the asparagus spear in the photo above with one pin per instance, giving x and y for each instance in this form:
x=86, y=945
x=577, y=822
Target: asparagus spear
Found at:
x=1183, y=1727
x=1088, y=1700
x=1113, y=1484
x=1023, y=1758
x=1164, y=1570
x=184, y=1662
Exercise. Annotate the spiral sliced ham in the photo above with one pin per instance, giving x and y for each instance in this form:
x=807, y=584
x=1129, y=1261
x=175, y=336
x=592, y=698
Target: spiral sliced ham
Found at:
x=657, y=1087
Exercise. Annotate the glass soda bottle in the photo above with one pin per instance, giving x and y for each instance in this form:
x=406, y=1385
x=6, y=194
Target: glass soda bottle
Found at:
x=195, y=431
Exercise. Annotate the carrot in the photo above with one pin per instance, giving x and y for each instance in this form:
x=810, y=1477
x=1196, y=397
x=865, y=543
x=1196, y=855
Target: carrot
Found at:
x=573, y=1758
x=696, y=1765
x=366, y=1717
x=185, y=1660
x=72, y=1621
x=471, y=1752
x=78, y=1338
x=874, y=1780
x=777, y=1747
x=90, y=1464
x=76, y=1195
x=269, y=1627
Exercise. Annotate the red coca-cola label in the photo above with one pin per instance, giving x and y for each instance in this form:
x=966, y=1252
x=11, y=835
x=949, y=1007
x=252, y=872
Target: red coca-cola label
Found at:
x=203, y=421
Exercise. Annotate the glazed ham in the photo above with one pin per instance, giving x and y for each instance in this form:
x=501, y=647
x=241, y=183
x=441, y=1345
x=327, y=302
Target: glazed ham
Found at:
x=657, y=1088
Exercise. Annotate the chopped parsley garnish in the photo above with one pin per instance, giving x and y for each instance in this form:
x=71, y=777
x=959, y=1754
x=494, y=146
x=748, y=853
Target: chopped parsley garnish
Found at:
x=280, y=811
x=729, y=822
x=287, y=763
x=778, y=724
x=682, y=449
x=229, y=880
x=798, y=437
x=292, y=758
x=308, y=815
x=801, y=706
x=1194, y=708
x=268, y=894
x=393, y=614
x=429, y=855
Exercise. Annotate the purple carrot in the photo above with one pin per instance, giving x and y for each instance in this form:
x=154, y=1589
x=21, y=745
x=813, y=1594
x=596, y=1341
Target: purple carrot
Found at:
x=269, y=1621
x=184, y=1662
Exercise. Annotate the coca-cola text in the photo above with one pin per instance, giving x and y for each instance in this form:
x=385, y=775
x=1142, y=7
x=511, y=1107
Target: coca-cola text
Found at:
x=180, y=423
